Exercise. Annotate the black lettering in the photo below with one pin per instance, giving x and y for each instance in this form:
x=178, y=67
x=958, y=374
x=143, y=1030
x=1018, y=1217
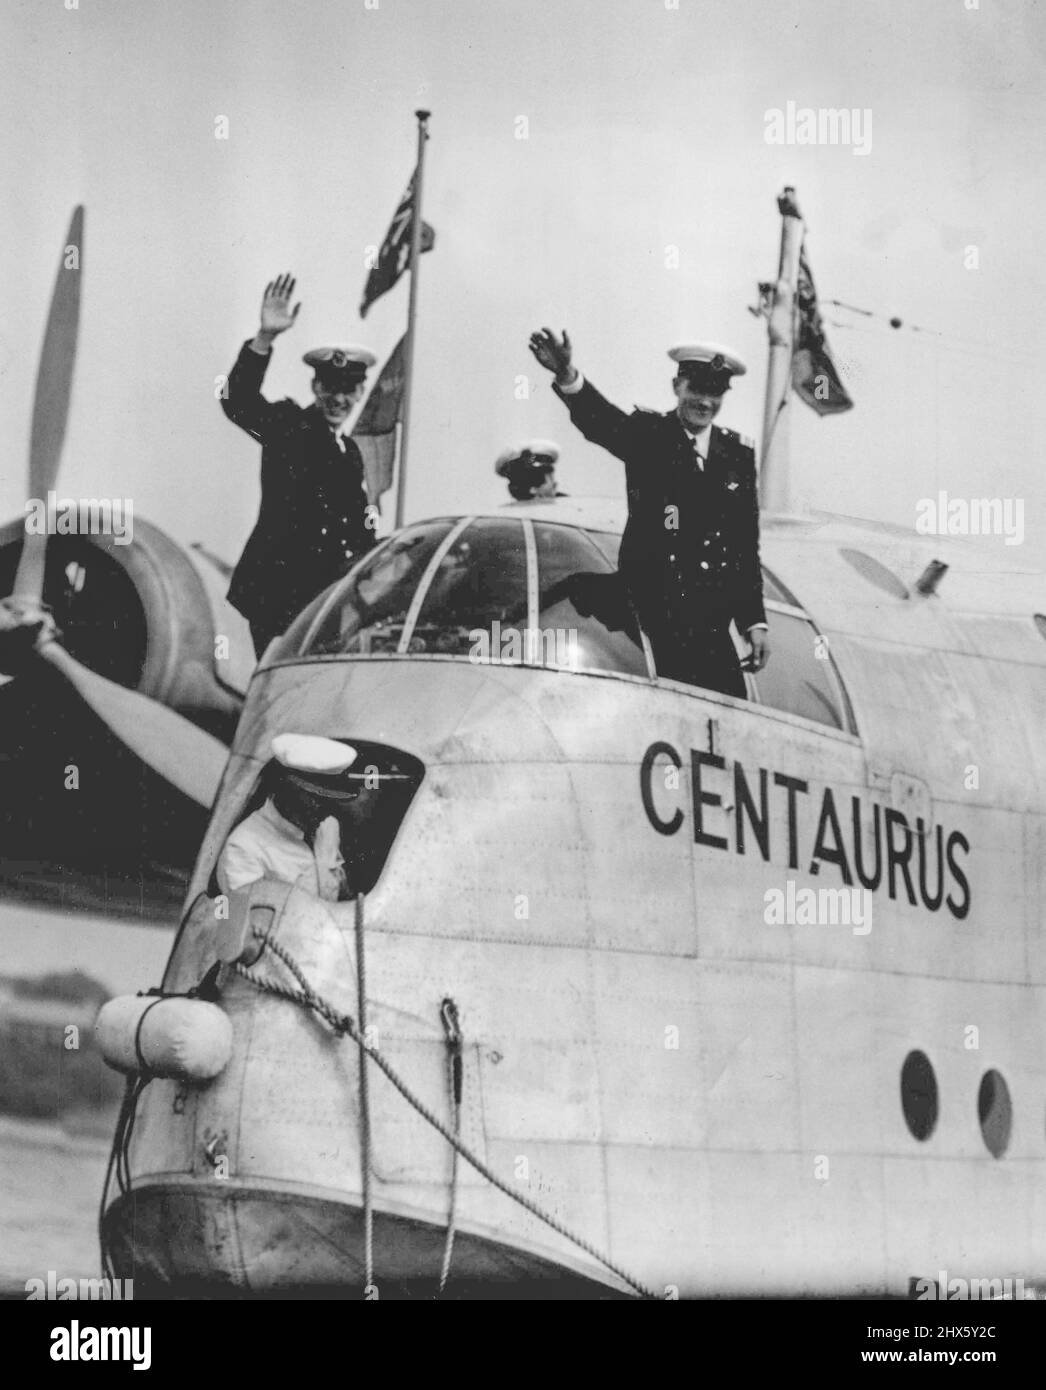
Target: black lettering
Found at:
x=898, y=858
x=867, y=882
x=794, y=784
x=961, y=908
x=933, y=903
x=821, y=849
x=698, y=760
x=760, y=822
x=655, y=751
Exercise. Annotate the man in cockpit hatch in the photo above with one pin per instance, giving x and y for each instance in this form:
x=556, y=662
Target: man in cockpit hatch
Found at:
x=293, y=837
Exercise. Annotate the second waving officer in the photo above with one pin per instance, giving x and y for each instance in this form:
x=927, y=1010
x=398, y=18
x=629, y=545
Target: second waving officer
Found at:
x=690, y=551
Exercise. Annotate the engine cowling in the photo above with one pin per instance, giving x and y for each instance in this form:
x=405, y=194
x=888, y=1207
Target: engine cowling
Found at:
x=141, y=614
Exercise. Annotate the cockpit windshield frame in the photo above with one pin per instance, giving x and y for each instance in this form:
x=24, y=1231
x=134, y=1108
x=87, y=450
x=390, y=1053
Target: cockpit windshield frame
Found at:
x=293, y=647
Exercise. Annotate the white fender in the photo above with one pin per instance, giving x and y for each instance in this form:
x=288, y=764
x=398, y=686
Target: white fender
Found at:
x=185, y=1039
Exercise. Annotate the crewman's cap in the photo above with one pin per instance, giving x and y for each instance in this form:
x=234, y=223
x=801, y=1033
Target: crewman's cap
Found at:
x=708, y=366
x=340, y=366
x=540, y=451
x=315, y=764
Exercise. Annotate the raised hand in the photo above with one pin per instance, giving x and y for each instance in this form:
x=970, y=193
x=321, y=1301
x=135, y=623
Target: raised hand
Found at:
x=553, y=353
x=276, y=313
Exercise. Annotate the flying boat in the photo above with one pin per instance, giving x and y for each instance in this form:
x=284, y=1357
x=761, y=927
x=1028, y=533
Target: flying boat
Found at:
x=632, y=988
x=573, y=1039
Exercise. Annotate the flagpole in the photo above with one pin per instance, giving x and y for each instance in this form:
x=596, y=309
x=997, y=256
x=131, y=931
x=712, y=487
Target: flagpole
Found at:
x=775, y=493
x=412, y=304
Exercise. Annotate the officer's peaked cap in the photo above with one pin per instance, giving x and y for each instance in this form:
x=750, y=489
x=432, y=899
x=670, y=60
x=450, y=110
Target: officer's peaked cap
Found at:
x=348, y=362
x=709, y=366
x=316, y=765
x=507, y=460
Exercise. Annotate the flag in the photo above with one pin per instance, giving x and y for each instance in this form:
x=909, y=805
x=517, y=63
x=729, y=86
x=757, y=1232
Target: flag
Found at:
x=375, y=430
x=394, y=255
x=814, y=376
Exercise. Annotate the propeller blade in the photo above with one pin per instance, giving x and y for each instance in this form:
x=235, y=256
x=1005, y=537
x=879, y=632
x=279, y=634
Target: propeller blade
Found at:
x=54, y=384
x=187, y=757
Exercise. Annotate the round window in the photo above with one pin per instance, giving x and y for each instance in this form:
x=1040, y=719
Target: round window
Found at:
x=919, y=1094
x=995, y=1113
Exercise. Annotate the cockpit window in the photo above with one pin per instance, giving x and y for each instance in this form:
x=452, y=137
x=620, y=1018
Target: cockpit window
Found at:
x=609, y=543
x=518, y=592
x=478, y=593
x=774, y=589
x=365, y=614
x=799, y=676
x=584, y=619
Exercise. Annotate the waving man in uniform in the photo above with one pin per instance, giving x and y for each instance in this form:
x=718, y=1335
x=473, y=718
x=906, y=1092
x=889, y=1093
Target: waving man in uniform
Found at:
x=690, y=551
x=313, y=521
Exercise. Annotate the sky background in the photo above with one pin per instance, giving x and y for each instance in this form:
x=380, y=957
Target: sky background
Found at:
x=645, y=130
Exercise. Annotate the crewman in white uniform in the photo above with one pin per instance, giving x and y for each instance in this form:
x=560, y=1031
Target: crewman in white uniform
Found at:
x=289, y=837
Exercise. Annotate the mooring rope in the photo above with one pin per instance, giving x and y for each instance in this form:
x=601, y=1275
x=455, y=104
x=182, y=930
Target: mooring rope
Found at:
x=345, y=1025
x=365, y=1146
x=455, y=1086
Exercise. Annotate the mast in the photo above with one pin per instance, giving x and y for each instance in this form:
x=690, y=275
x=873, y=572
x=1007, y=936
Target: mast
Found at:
x=775, y=491
x=408, y=348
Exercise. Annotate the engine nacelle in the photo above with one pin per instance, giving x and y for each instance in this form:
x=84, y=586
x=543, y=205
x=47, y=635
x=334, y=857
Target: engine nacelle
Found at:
x=146, y=614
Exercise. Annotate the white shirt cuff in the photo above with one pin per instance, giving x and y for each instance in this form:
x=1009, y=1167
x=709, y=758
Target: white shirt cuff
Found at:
x=574, y=387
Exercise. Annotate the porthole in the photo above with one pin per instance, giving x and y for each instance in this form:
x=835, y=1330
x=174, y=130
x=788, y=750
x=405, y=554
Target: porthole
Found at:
x=919, y=1095
x=995, y=1113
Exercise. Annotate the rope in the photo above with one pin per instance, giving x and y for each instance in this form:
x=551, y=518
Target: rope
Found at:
x=455, y=1084
x=119, y=1160
x=344, y=1025
x=143, y=1065
x=114, y=1164
x=952, y=342
x=365, y=1150
x=120, y=1149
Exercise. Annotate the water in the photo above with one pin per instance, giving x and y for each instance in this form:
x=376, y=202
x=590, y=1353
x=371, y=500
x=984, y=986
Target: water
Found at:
x=50, y=1185
x=52, y=1166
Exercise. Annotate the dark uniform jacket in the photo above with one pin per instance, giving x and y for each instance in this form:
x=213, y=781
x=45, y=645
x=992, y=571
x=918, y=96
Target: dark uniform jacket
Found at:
x=312, y=522
x=690, y=550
